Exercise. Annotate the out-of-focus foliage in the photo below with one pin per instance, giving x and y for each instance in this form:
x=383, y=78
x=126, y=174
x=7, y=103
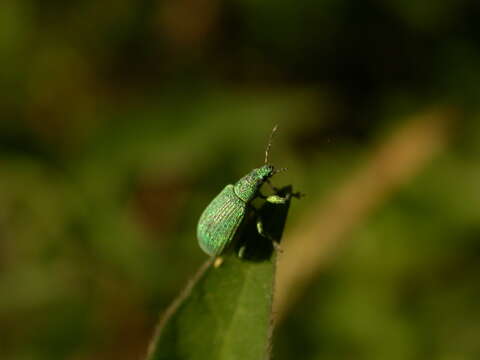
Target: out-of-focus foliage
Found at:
x=120, y=120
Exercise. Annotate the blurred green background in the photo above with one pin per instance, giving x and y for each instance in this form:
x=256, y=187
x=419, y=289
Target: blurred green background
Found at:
x=120, y=120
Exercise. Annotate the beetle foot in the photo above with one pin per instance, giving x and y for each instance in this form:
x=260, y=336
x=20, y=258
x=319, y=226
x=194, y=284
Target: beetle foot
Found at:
x=217, y=262
x=277, y=246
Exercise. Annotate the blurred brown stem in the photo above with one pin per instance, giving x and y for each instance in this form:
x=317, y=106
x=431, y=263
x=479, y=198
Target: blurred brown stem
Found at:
x=310, y=245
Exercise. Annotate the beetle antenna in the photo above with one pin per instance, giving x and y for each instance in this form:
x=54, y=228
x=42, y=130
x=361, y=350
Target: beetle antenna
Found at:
x=269, y=144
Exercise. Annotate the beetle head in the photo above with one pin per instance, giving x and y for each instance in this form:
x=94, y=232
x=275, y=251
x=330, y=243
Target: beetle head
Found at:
x=265, y=171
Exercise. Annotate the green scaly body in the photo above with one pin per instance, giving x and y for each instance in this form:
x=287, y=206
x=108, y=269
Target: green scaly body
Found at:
x=221, y=219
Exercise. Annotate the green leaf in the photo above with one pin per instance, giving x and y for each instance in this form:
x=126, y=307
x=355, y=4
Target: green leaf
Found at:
x=225, y=312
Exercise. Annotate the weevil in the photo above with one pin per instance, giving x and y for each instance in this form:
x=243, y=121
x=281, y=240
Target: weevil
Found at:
x=222, y=218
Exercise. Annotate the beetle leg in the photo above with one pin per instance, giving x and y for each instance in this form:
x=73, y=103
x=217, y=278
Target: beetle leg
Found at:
x=276, y=199
x=261, y=196
x=217, y=262
x=241, y=252
x=271, y=185
x=297, y=194
x=277, y=246
x=262, y=232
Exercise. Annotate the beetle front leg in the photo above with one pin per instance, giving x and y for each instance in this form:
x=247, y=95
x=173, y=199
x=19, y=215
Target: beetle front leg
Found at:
x=261, y=196
x=276, y=199
x=273, y=187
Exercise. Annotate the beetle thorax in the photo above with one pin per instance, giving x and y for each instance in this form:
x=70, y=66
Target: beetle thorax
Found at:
x=247, y=187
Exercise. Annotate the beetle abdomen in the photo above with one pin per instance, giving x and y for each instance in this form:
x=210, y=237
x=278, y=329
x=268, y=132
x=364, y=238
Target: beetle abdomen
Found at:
x=219, y=221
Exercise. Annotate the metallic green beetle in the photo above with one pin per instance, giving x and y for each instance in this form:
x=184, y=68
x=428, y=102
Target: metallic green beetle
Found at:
x=222, y=218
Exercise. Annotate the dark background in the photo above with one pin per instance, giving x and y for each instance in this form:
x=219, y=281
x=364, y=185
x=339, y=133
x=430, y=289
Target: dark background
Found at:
x=120, y=120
